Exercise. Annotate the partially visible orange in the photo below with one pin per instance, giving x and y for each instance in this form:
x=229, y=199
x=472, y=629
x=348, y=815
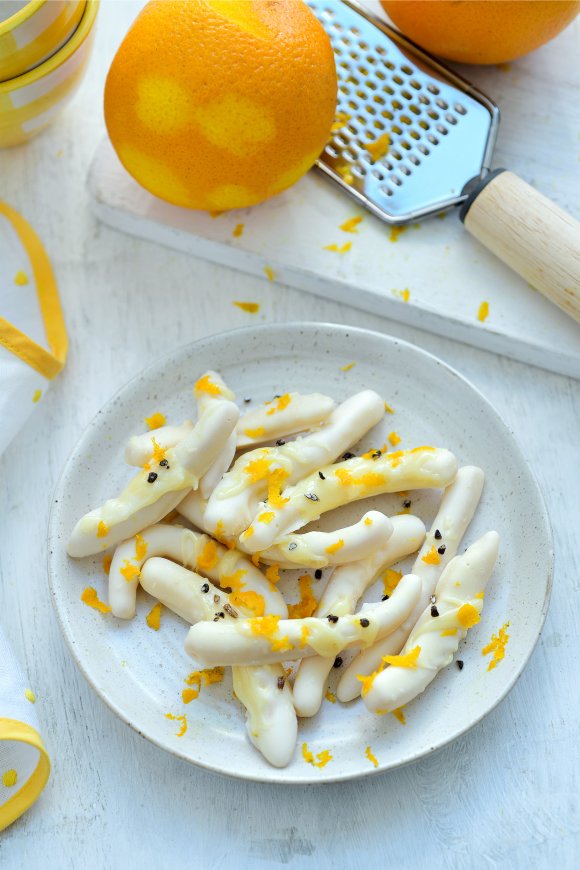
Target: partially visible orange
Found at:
x=219, y=104
x=481, y=31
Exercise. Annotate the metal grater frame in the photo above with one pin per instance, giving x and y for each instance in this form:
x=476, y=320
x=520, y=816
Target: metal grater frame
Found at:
x=442, y=129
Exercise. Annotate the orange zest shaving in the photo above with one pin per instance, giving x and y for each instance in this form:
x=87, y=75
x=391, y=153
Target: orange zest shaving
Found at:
x=255, y=433
x=272, y=573
x=367, y=681
x=304, y=634
x=394, y=439
x=197, y=679
x=183, y=723
x=129, y=571
x=307, y=604
x=407, y=660
x=322, y=758
x=395, y=233
x=281, y=403
x=206, y=385
x=334, y=548
x=248, y=533
x=330, y=696
x=275, y=481
x=497, y=646
x=347, y=367
x=140, y=547
x=91, y=599
x=107, y=559
x=237, y=231
x=208, y=557
x=102, y=530
x=368, y=521
x=269, y=273
x=343, y=249
x=398, y=714
x=468, y=616
x=449, y=632
x=388, y=409
x=153, y=618
x=155, y=421
x=258, y=469
x=158, y=452
x=341, y=118
x=350, y=226
x=432, y=557
x=371, y=757
x=266, y=517
x=248, y=307
x=390, y=581
x=379, y=148
x=483, y=312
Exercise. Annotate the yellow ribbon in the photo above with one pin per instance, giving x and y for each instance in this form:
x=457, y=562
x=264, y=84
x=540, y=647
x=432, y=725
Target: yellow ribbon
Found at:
x=46, y=363
x=12, y=729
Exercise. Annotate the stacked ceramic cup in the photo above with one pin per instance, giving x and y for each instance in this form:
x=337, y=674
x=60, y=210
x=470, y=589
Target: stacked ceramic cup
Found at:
x=44, y=49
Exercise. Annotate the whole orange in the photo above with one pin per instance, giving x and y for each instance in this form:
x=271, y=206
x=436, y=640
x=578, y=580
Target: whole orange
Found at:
x=219, y=104
x=481, y=31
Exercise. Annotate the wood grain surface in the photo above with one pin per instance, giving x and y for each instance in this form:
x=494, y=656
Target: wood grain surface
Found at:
x=503, y=796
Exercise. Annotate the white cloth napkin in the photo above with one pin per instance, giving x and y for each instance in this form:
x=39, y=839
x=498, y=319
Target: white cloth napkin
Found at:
x=33, y=340
x=33, y=347
x=24, y=763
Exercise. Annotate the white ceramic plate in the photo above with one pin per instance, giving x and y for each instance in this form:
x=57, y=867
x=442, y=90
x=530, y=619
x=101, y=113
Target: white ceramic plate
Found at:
x=140, y=673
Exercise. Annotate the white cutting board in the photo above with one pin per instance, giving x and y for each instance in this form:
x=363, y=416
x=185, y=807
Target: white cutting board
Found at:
x=448, y=274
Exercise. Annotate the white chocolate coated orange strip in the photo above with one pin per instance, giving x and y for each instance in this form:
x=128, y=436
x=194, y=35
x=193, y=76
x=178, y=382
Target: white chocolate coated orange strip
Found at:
x=267, y=640
x=455, y=513
x=335, y=485
x=437, y=637
x=283, y=416
x=151, y=495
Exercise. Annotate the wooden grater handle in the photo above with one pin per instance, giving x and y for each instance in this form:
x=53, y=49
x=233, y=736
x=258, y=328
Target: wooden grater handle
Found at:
x=535, y=237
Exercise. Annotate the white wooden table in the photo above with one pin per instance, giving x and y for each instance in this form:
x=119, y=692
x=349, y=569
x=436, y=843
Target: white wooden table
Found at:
x=505, y=795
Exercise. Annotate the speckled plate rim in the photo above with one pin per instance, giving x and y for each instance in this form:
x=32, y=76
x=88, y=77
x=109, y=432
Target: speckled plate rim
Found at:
x=320, y=777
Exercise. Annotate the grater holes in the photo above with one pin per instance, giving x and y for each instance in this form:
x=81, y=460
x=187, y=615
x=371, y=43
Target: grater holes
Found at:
x=337, y=26
x=414, y=160
x=388, y=115
x=415, y=109
x=461, y=110
x=396, y=105
x=396, y=154
x=354, y=30
x=407, y=95
x=331, y=150
x=404, y=144
x=405, y=170
x=396, y=129
x=442, y=104
x=386, y=190
x=398, y=79
x=395, y=180
x=424, y=125
x=433, y=89
x=376, y=173
x=451, y=119
x=378, y=99
x=441, y=129
x=423, y=99
x=433, y=115
x=378, y=125
x=432, y=139
x=415, y=84
x=405, y=120
x=414, y=135
x=423, y=149
x=359, y=170
x=406, y=69
x=364, y=71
